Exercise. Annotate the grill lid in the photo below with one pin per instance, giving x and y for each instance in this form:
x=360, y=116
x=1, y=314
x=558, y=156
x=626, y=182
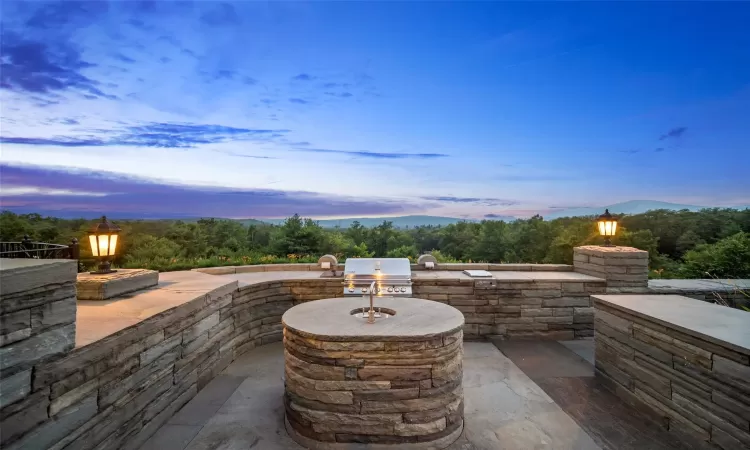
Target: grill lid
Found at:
x=377, y=268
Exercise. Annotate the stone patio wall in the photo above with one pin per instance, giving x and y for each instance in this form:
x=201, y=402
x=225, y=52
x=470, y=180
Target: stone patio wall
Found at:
x=529, y=309
x=116, y=392
x=518, y=309
x=696, y=388
x=37, y=323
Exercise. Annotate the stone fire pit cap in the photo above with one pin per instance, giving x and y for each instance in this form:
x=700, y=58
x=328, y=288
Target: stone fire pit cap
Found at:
x=330, y=319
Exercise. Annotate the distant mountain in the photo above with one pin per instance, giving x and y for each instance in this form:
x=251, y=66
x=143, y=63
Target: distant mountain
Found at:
x=398, y=222
x=631, y=207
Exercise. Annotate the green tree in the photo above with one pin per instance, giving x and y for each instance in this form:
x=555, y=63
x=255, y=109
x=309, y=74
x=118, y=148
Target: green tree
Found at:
x=405, y=251
x=150, y=247
x=297, y=236
x=492, y=242
x=727, y=258
x=688, y=241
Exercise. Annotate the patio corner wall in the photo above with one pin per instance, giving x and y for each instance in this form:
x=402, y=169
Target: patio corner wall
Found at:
x=686, y=381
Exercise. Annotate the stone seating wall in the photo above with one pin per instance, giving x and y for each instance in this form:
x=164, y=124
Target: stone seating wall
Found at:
x=677, y=375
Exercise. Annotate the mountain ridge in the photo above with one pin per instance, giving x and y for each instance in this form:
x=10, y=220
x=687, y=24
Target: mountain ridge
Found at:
x=410, y=221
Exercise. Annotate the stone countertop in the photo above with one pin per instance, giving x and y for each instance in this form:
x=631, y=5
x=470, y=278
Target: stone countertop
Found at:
x=505, y=276
x=259, y=277
x=331, y=319
x=248, y=278
x=97, y=319
x=725, y=326
x=698, y=285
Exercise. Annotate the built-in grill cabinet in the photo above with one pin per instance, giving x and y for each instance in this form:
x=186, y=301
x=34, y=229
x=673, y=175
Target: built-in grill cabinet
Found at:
x=392, y=276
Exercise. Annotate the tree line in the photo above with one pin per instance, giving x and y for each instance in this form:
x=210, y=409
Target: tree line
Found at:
x=681, y=244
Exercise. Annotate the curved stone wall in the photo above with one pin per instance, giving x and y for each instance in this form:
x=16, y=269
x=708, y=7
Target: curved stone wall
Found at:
x=114, y=392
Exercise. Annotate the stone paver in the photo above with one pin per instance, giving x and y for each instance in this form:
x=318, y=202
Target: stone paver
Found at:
x=581, y=347
x=504, y=409
x=564, y=372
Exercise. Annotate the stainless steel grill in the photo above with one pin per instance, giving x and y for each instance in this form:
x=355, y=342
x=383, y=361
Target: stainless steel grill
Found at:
x=391, y=275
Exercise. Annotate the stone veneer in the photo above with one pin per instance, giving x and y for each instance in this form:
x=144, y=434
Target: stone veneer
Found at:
x=396, y=382
x=37, y=321
x=517, y=308
x=117, y=390
x=684, y=363
x=105, y=286
x=622, y=267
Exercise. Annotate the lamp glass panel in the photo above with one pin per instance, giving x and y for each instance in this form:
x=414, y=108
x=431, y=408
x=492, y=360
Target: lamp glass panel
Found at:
x=614, y=227
x=94, y=245
x=103, y=244
x=602, y=230
x=112, y=244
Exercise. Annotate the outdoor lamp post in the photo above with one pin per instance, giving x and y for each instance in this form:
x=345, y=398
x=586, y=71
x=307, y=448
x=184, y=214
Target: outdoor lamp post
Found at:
x=607, y=227
x=103, y=239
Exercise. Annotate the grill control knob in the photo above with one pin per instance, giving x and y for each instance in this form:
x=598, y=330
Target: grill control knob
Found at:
x=351, y=289
x=379, y=289
x=403, y=289
x=390, y=289
x=364, y=290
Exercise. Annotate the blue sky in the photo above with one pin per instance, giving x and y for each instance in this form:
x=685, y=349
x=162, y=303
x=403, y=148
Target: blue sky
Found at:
x=264, y=109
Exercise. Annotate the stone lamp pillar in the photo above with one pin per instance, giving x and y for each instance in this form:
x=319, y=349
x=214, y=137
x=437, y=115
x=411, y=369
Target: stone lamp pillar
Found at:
x=624, y=268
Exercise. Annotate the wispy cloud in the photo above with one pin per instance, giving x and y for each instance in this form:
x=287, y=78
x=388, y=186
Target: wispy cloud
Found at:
x=39, y=68
x=299, y=101
x=303, y=77
x=377, y=155
x=243, y=155
x=339, y=94
x=474, y=200
x=122, y=58
x=336, y=85
x=125, y=196
x=166, y=135
x=674, y=133
x=221, y=14
x=497, y=216
x=532, y=177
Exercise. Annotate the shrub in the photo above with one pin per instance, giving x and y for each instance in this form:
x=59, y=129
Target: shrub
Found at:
x=727, y=258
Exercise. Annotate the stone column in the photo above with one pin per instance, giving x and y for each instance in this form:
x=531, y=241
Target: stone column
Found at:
x=624, y=268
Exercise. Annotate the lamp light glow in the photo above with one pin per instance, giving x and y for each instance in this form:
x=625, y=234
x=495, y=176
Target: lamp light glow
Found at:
x=607, y=227
x=103, y=238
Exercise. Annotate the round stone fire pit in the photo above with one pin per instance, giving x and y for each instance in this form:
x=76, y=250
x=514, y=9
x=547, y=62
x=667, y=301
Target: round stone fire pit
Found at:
x=395, y=383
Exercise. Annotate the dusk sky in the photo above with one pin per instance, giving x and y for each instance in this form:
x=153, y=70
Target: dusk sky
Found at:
x=264, y=109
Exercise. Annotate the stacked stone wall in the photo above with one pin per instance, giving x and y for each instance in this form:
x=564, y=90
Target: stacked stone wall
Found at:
x=695, y=388
x=114, y=393
x=37, y=324
x=390, y=392
x=520, y=309
x=622, y=267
